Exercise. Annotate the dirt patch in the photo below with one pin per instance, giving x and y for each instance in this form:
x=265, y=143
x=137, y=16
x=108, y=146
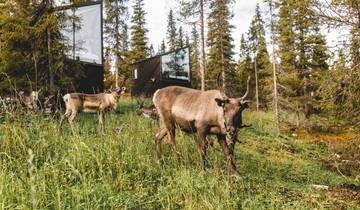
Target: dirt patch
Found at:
x=346, y=193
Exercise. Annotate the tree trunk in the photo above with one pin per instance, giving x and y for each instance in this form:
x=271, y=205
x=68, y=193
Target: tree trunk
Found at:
x=36, y=72
x=202, y=43
x=276, y=107
x=117, y=43
x=51, y=73
x=223, y=67
x=256, y=86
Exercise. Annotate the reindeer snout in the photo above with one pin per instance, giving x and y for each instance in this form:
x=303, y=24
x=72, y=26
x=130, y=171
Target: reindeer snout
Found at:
x=231, y=129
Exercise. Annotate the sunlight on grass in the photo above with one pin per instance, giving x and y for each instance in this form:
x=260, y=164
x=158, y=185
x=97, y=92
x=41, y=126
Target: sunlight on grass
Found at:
x=44, y=168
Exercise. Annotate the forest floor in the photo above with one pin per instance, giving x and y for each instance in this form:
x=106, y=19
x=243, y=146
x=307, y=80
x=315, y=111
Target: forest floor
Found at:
x=44, y=168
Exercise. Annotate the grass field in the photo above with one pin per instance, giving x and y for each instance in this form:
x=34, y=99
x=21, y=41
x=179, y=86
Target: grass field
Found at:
x=42, y=168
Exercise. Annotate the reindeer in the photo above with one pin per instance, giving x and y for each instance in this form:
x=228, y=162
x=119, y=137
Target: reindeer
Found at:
x=29, y=99
x=204, y=113
x=148, y=111
x=80, y=102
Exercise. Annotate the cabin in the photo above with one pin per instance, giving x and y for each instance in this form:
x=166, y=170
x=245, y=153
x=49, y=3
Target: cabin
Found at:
x=84, y=39
x=171, y=68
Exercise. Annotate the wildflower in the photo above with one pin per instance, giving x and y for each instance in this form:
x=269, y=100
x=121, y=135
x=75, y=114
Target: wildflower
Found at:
x=117, y=130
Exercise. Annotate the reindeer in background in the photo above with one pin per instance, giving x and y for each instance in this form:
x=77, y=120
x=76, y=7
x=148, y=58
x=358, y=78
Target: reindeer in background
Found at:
x=96, y=103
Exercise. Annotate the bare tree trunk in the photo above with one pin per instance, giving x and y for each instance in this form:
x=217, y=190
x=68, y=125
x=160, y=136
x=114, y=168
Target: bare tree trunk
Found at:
x=116, y=72
x=202, y=43
x=276, y=106
x=36, y=72
x=51, y=73
x=223, y=67
x=256, y=86
x=117, y=47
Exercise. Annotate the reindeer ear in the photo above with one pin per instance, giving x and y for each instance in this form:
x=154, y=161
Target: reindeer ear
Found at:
x=244, y=104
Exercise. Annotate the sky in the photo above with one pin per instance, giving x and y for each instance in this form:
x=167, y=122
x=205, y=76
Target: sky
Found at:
x=158, y=10
x=243, y=12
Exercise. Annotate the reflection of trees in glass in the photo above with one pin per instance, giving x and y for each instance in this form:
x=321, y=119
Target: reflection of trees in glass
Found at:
x=176, y=66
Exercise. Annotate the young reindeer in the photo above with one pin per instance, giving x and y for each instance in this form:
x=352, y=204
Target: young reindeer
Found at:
x=80, y=102
x=148, y=111
x=29, y=100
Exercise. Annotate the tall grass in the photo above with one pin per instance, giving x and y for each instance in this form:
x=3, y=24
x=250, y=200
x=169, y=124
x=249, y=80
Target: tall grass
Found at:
x=44, y=168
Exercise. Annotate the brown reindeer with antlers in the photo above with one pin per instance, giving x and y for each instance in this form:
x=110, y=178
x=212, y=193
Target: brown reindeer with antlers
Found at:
x=204, y=113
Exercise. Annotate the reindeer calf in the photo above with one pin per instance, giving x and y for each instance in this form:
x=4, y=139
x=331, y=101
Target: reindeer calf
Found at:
x=29, y=99
x=80, y=102
x=147, y=111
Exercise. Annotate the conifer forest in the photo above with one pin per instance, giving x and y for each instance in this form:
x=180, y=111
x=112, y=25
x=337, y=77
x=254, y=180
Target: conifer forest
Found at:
x=291, y=142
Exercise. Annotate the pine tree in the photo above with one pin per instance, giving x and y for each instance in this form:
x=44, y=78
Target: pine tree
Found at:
x=139, y=48
x=115, y=23
x=32, y=54
x=355, y=46
x=162, y=47
x=245, y=67
x=303, y=54
x=151, y=50
x=109, y=77
x=219, y=41
x=172, y=36
x=180, y=38
x=260, y=54
x=334, y=89
x=194, y=57
x=125, y=63
x=196, y=9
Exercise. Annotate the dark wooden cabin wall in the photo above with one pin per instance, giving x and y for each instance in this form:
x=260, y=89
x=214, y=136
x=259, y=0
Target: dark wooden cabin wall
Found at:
x=147, y=69
x=93, y=81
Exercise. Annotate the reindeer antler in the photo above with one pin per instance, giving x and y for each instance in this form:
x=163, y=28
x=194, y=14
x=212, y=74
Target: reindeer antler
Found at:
x=247, y=89
x=219, y=87
x=122, y=83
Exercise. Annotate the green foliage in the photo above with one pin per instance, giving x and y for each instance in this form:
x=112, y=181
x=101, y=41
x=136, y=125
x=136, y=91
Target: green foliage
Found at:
x=117, y=39
x=32, y=55
x=219, y=42
x=339, y=93
x=255, y=47
x=109, y=77
x=162, y=47
x=42, y=168
x=139, y=40
x=303, y=55
x=171, y=33
x=181, y=38
x=245, y=66
x=194, y=58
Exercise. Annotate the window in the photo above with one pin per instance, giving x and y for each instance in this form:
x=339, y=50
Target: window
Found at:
x=176, y=65
x=135, y=74
x=85, y=39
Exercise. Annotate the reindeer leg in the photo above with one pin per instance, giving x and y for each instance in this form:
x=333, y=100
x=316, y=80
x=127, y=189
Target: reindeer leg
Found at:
x=101, y=121
x=171, y=137
x=71, y=119
x=66, y=115
x=228, y=155
x=161, y=134
x=202, y=143
x=158, y=138
x=158, y=151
